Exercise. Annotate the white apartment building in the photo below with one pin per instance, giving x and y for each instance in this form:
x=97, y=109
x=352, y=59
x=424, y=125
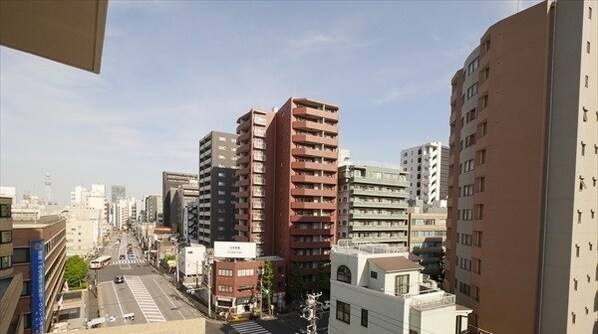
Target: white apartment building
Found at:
x=427, y=166
x=376, y=289
x=190, y=263
x=91, y=199
x=83, y=231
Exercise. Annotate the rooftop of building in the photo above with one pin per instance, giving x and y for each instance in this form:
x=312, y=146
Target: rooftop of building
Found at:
x=349, y=246
x=395, y=263
x=42, y=222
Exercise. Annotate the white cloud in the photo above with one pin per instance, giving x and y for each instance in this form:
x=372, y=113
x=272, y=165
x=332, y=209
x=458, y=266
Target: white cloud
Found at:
x=396, y=94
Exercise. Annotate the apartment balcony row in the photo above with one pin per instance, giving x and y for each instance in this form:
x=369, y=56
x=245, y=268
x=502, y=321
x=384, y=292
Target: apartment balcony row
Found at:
x=317, y=166
x=316, y=113
x=242, y=205
x=376, y=227
x=242, y=183
x=244, y=159
x=243, y=148
x=313, y=179
x=331, y=206
x=378, y=239
x=313, y=192
x=364, y=204
x=401, y=182
x=374, y=216
x=309, y=258
x=311, y=231
x=312, y=219
x=318, y=140
x=244, y=137
x=311, y=244
x=312, y=152
x=379, y=193
x=242, y=171
x=309, y=125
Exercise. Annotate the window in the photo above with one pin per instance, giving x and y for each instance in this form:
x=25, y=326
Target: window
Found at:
x=473, y=66
x=467, y=214
x=470, y=140
x=585, y=114
x=486, y=74
x=364, y=317
x=588, y=47
x=343, y=274
x=477, y=238
x=480, y=184
x=225, y=272
x=477, y=266
x=475, y=293
x=225, y=288
x=481, y=157
x=401, y=284
x=482, y=129
x=343, y=312
x=5, y=262
x=245, y=272
x=472, y=90
x=5, y=237
x=470, y=116
x=583, y=148
x=577, y=250
x=484, y=101
x=479, y=211
x=464, y=288
x=20, y=255
x=589, y=13
x=373, y=274
x=468, y=190
x=586, y=81
x=26, y=290
x=4, y=211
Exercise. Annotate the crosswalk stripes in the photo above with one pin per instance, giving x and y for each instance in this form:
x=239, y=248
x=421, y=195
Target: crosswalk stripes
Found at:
x=250, y=327
x=146, y=303
x=128, y=261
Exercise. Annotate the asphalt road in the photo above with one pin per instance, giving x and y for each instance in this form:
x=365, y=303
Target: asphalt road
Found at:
x=149, y=295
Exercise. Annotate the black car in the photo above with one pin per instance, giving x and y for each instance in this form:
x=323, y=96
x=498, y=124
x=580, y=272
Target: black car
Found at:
x=119, y=279
x=122, y=257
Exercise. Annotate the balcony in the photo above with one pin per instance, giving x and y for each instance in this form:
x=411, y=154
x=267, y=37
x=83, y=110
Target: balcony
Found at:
x=428, y=302
x=244, y=159
x=383, y=182
x=311, y=152
x=315, y=113
x=243, y=228
x=309, y=258
x=313, y=205
x=313, y=179
x=243, y=148
x=376, y=192
x=311, y=244
x=385, y=216
x=311, y=231
x=241, y=216
x=306, y=165
x=308, y=125
x=303, y=138
x=312, y=219
x=375, y=227
x=243, y=137
x=241, y=238
x=382, y=205
x=313, y=192
x=242, y=205
x=242, y=171
x=242, y=183
x=243, y=126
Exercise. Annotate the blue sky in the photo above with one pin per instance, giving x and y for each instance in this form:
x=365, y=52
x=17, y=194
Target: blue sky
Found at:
x=173, y=71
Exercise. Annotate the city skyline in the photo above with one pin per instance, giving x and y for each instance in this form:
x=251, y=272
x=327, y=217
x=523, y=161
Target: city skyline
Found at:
x=162, y=87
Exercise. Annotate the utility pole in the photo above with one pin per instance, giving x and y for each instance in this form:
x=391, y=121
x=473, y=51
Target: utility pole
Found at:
x=309, y=313
x=209, y=262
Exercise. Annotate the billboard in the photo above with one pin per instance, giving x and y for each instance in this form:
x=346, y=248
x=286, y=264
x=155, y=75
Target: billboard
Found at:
x=38, y=270
x=232, y=249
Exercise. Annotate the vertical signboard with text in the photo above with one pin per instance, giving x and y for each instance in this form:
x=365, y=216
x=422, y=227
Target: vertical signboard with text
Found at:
x=38, y=270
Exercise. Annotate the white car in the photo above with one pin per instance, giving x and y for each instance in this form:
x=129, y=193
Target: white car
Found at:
x=326, y=305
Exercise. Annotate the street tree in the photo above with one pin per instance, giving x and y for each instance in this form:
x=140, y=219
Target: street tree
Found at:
x=296, y=284
x=322, y=279
x=75, y=271
x=268, y=283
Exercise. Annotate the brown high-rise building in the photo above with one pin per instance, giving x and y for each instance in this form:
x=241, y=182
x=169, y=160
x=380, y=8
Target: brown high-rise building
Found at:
x=287, y=181
x=522, y=225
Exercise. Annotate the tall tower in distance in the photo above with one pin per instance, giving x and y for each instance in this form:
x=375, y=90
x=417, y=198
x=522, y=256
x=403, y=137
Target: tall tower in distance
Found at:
x=48, y=189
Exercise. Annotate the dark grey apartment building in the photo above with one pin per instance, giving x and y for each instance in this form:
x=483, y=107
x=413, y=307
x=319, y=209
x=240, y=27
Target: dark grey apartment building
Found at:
x=216, y=205
x=171, y=181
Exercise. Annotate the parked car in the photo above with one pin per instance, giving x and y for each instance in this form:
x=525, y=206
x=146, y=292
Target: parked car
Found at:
x=122, y=257
x=119, y=279
x=326, y=305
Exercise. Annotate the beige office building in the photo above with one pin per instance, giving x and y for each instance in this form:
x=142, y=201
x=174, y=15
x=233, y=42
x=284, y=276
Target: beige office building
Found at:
x=522, y=223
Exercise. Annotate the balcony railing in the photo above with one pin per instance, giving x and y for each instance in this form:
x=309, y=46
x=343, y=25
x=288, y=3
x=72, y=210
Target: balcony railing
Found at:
x=432, y=303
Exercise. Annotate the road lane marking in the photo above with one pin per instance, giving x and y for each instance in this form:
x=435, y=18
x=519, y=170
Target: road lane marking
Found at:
x=250, y=327
x=168, y=297
x=117, y=299
x=146, y=303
